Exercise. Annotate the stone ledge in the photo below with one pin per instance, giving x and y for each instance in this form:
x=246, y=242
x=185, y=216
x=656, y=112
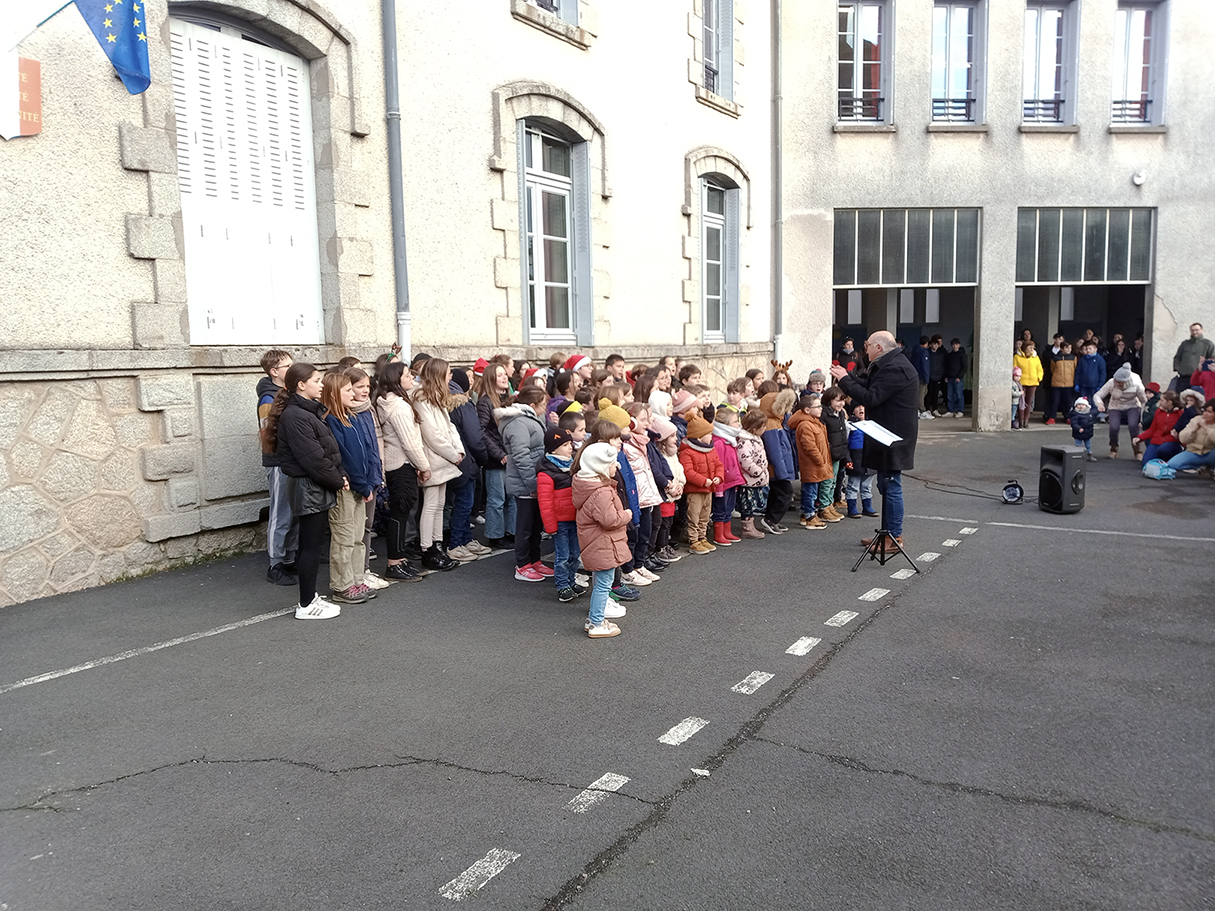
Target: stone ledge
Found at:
x=1147, y=129
x=1049, y=128
x=956, y=128
x=161, y=528
x=226, y=515
x=851, y=127
x=717, y=102
x=551, y=24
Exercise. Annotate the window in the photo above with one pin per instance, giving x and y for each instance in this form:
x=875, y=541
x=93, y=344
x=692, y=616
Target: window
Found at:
x=566, y=10
x=957, y=79
x=862, y=64
x=248, y=195
x=718, y=35
x=556, y=221
x=1084, y=246
x=904, y=247
x=719, y=259
x=1138, y=63
x=1048, y=72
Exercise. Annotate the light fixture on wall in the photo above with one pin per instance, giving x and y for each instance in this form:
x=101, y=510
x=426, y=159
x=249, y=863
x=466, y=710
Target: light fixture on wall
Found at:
x=1139, y=178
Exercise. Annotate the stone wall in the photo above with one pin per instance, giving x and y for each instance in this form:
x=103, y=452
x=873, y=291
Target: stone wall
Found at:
x=100, y=479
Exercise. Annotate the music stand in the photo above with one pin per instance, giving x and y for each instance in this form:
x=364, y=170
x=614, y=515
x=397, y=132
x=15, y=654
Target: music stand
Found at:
x=877, y=550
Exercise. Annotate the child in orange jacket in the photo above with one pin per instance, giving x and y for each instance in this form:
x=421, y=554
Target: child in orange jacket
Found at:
x=813, y=456
x=704, y=473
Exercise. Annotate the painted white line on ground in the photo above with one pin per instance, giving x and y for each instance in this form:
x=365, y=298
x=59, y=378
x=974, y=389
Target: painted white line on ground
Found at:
x=145, y=650
x=874, y=594
x=951, y=542
x=478, y=874
x=699, y=773
x=802, y=645
x=842, y=618
x=1098, y=531
x=682, y=731
x=928, y=558
x=597, y=791
x=752, y=683
x=967, y=531
x=903, y=574
x=943, y=519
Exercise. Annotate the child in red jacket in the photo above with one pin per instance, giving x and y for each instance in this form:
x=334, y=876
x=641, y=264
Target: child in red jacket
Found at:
x=704, y=473
x=725, y=443
x=1160, y=437
x=556, y=500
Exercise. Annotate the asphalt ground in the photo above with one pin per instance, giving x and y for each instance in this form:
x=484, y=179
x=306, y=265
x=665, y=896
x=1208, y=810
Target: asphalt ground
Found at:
x=1025, y=724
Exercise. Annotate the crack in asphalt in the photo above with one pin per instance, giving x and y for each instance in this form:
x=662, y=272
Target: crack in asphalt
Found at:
x=957, y=787
x=748, y=732
x=40, y=803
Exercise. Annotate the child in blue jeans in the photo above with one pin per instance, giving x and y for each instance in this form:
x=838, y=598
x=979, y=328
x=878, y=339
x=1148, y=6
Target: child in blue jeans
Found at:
x=602, y=532
x=1081, y=419
x=556, y=499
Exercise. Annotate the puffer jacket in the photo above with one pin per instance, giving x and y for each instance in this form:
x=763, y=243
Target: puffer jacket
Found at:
x=752, y=460
x=725, y=444
x=663, y=476
x=700, y=465
x=1130, y=395
x=777, y=443
x=1090, y=371
x=634, y=450
x=1063, y=371
x=523, y=436
x=440, y=441
x=1198, y=437
x=836, y=423
x=603, y=535
x=626, y=486
x=1162, y=427
x=495, y=449
x=359, y=460
x=305, y=445
x=813, y=450
x=400, y=434
x=1031, y=369
x=1205, y=380
x=465, y=419
x=554, y=492
x=1082, y=424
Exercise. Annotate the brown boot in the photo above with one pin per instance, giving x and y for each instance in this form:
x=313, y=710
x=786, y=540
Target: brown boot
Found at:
x=749, y=530
x=827, y=514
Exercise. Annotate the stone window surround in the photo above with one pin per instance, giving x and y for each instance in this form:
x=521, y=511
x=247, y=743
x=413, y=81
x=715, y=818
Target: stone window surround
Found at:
x=696, y=63
x=702, y=162
x=544, y=103
x=580, y=36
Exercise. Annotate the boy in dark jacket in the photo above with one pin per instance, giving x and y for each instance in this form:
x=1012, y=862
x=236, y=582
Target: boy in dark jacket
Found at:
x=957, y=363
x=1090, y=373
x=860, y=479
x=463, y=490
x=282, y=528
x=556, y=497
x=1081, y=419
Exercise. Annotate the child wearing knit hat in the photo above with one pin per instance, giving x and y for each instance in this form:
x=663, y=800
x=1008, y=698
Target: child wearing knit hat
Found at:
x=602, y=522
x=668, y=451
x=1081, y=418
x=704, y=472
x=554, y=492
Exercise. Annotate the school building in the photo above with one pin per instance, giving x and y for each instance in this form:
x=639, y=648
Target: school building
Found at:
x=731, y=181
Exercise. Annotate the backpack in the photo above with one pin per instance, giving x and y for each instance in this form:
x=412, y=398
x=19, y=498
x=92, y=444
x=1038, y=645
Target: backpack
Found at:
x=1158, y=470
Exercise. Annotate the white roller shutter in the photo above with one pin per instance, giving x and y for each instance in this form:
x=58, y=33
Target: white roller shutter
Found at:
x=248, y=191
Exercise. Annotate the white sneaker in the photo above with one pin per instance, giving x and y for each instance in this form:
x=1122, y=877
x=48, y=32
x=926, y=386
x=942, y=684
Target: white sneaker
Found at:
x=371, y=580
x=461, y=553
x=604, y=630
x=634, y=578
x=645, y=573
x=614, y=610
x=478, y=549
x=319, y=609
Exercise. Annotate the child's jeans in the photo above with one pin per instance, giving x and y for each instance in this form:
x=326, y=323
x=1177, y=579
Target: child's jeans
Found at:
x=826, y=489
x=601, y=587
x=723, y=505
x=860, y=484
x=809, y=495
x=462, y=499
x=752, y=501
x=1087, y=444
x=565, y=556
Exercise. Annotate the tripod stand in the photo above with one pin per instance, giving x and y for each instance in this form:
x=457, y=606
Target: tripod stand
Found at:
x=882, y=548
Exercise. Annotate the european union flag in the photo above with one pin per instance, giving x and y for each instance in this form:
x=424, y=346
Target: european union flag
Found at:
x=119, y=28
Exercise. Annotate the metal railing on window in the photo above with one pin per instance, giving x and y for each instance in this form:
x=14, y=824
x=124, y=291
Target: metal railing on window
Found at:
x=852, y=108
x=953, y=109
x=1131, y=110
x=711, y=75
x=1042, y=110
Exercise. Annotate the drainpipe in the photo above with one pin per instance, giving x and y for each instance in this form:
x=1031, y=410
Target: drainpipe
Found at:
x=778, y=214
x=396, y=188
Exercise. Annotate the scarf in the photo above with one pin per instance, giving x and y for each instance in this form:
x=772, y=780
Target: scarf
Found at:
x=563, y=464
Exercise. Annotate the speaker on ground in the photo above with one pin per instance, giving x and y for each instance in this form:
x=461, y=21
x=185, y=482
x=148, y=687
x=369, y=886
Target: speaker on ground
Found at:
x=1061, y=480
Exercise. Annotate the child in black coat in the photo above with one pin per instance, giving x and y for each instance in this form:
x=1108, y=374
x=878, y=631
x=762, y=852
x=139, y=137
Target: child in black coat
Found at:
x=1081, y=419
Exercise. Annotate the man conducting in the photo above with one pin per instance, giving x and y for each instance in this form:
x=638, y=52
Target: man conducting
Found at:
x=889, y=393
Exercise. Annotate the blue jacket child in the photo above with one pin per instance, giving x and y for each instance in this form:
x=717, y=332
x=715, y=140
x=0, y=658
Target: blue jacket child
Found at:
x=1090, y=373
x=359, y=459
x=1082, y=424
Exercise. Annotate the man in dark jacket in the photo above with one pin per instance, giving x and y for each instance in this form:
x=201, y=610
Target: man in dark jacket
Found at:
x=919, y=361
x=890, y=395
x=936, y=376
x=957, y=363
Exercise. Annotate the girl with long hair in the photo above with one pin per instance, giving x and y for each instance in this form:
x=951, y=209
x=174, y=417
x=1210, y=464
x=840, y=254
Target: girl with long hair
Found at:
x=349, y=515
x=363, y=417
x=444, y=452
x=405, y=464
x=493, y=390
x=308, y=454
x=522, y=428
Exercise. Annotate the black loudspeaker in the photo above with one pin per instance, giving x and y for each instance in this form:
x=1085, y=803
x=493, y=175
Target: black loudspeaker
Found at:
x=1061, y=480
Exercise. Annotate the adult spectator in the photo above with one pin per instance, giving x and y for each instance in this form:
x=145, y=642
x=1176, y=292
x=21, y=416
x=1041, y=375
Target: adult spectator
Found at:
x=936, y=376
x=1198, y=438
x=1136, y=352
x=957, y=363
x=889, y=393
x=1122, y=398
x=919, y=363
x=1190, y=355
x=847, y=357
x=1117, y=356
x=1032, y=375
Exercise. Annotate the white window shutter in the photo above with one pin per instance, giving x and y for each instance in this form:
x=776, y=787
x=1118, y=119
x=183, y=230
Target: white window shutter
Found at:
x=725, y=43
x=730, y=283
x=584, y=297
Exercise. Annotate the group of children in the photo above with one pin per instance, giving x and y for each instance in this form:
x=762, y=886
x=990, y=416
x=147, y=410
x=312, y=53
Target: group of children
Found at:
x=610, y=472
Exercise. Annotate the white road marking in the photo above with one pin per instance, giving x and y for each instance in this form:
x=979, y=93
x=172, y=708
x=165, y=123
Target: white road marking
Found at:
x=478, y=874
x=944, y=519
x=874, y=594
x=903, y=574
x=951, y=542
x=842, y=618
x=682, y=731
x=802, y=645
x=597, y=791
x=701, y=773
x=967, y=531
x=145, y=650
x=1099, y=531
x=928, y=558
x=752, y=683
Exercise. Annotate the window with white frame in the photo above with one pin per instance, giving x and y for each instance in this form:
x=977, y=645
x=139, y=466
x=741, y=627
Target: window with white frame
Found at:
x=556, y=223
x=957, y=56
x=864, y=31
x=718, y=35
x=246, y=177
x=906, y=247
x=1139, y=48
x=1048, y=66
x=1084, y=246
x=719, y=241
x=565, y=10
